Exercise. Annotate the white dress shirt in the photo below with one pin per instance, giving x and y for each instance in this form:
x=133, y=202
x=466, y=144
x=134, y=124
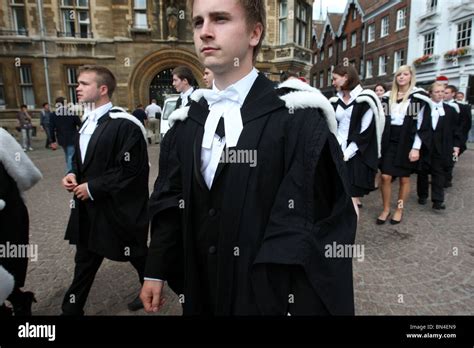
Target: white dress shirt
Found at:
x=343, y=117
x=152, y=109
x=184, y=97
x=210, y=156
x=436, y=113
x=398, y=112
x=90, y=124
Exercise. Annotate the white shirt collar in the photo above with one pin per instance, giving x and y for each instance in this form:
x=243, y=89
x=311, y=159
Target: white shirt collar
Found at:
x=95, y=114
x=242, y=86
x=354, y=93
x=187, y=93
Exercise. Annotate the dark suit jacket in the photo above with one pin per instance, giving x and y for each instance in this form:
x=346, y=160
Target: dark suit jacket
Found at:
x=64, y=127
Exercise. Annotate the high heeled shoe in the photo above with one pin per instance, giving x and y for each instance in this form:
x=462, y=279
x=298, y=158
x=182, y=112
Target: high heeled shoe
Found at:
x=22, y=306
x=381, y=222
x=396, y=222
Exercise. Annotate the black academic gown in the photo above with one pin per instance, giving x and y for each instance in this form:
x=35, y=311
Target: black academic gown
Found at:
x=275, y=219
x=363, y=166
x=115, y=223
x=464, y=124
x=409, y=130
x=445, y=137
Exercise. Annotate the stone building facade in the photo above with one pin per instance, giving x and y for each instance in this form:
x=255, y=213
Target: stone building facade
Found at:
x=43, y=42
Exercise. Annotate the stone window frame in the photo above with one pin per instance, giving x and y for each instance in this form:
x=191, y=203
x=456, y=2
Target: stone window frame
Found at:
x=301, y=23
x=329, y=77
x=353, y=39
x=330, y=51
x=140, y=10
x=75, y=10
x=26, y=84
x=321, y=79
x=17, y=5
x=344, y=44
x=71, y=85
x=283, y=22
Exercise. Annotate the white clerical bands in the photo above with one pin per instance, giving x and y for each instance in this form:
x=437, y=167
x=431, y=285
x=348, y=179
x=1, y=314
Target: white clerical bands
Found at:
x=223, y=104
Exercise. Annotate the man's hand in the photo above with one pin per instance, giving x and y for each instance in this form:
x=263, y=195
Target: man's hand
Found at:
x=414, y=155
x=69, y=182
x=456, y=151
x=54, y=146
x=81, y=192
x=151, y=295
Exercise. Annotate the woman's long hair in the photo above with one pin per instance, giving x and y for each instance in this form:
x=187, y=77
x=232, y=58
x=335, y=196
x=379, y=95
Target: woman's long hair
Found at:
x=395, y=88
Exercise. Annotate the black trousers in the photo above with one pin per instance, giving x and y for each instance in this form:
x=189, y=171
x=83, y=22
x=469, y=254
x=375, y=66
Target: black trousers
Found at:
x=87, y=265
x=438, y=179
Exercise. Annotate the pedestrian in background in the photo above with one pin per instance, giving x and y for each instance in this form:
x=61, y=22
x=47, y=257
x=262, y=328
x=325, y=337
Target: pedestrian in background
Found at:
x=140, y=114
x=45, y=116
x=407, y=129
x=26, y=127
x=153, y=113
x=64, y=124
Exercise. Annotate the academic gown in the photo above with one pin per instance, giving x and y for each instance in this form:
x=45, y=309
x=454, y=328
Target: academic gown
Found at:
x=450, y=137
x=363, y=166
x=417, y=100
x=279, y=215
x=115, y=223
x=464, y=124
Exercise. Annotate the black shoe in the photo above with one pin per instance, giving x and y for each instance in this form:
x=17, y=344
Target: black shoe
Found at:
x=396, y=222
x=422, y=201
x=439, y=206
x=381, y=222
x=135, y=305
x=22, y=305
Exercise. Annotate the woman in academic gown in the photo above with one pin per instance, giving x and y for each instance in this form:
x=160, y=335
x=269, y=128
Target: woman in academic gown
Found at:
x=360, y=121
x=406, y=136
x=17, y=174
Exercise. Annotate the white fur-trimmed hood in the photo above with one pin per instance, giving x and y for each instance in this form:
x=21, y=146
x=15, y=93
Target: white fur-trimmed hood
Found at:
x=305, y=97
x=17, y=164
x=368, y=96
x=121, y=113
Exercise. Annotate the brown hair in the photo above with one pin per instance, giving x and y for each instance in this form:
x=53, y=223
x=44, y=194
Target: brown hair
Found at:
x=254, y=13
x=452, y=88
x=104, y=77
x=436, y=84
x=381, y=85
x=184, y=72
x=352, y=75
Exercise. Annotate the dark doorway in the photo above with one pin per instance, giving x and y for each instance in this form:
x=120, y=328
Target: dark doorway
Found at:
x=162, y=86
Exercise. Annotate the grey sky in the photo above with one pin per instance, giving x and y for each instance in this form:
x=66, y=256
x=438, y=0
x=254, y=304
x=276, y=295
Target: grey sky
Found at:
x=328, y=5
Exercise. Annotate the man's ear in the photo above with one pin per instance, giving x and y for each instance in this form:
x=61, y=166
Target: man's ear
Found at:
x=104, y=90
x=256, y=34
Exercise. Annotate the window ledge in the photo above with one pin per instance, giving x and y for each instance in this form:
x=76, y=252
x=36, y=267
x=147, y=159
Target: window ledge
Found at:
x=400, y=29
x=140, y=30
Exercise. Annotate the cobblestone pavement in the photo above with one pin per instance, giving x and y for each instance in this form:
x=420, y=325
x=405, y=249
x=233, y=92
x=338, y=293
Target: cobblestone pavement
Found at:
x=423, y=266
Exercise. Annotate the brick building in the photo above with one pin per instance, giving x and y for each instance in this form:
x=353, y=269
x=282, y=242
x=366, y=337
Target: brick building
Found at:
x=43, y=42
x=372, y=35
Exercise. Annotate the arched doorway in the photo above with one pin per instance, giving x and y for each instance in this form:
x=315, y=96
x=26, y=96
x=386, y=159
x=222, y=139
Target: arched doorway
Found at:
x=144, y=81
x=162, y=85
